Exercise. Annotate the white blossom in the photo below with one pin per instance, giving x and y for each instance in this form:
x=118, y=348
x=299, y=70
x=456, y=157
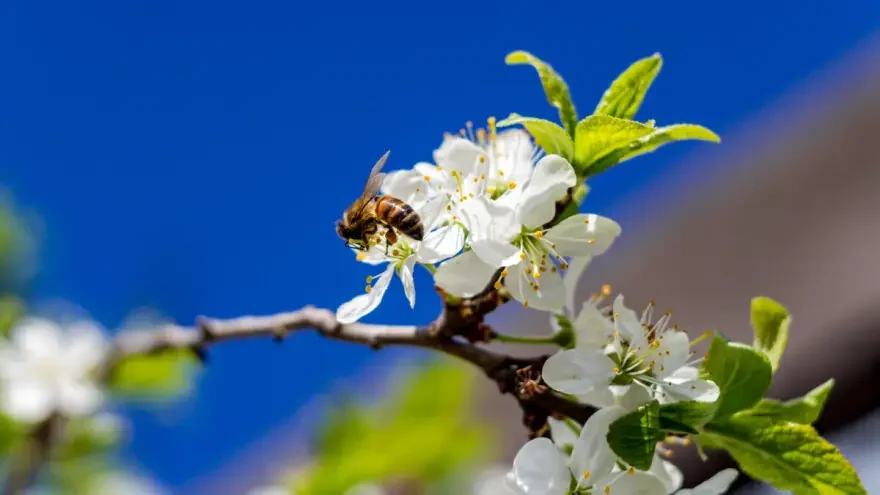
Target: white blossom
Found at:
x=716, y=485
x=440, y=242
x=45, y=368
x=638, y=351
x=508, y=233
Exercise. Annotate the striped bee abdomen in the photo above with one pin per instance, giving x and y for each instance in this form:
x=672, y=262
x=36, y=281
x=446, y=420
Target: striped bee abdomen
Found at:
x=401, y=216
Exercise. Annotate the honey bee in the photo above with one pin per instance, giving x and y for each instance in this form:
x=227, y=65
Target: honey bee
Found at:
x=361, y=220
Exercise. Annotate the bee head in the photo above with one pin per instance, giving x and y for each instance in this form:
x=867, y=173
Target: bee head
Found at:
x=342, y=230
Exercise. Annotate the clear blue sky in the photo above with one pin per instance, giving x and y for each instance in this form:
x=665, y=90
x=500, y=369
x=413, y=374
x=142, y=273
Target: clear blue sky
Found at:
x=193, y=156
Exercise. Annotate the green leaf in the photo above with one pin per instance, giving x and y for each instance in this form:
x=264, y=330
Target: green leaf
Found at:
x=162, y=375
x=804, y=410
x=11, y=309
x=788, y=455
x=770, y=321
x=686, y=416
x=598, y=135
x=650, y=142
x=565, y=337
x=548, y=135
x=742, y=374
x=634, y=436
x=11, y=433
x=554, y=87
x=624, y=97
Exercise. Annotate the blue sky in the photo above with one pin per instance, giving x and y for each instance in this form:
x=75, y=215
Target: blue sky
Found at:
x=193, y=156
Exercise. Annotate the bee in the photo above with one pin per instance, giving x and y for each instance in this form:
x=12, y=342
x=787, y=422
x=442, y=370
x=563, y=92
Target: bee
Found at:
x=361, y=220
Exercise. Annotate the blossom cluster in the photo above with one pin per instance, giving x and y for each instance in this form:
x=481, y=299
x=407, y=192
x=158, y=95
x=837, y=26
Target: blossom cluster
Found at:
x=485, y=203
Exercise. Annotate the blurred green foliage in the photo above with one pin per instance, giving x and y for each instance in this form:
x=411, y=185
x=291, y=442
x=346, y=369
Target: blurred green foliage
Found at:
x=159, y=376
x=423, y=432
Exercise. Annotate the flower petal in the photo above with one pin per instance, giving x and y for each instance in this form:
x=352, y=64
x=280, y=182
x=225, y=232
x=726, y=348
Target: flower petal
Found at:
x=440, y=244
x=513, y=155
x=78, y=397
x=717, y=484
x=460, y=154
x=550, y=295
x=636, y=396
x=465, y=275
x=431, y=212
x=27, y=400
x=592, y=453
x=373, y=256
x=408, y=185
x=578, y=371
x=552, y=177
x=85, y=346
x=591, y=327
x=406, y=278
x=628, y=325
x=598, y=398
x=37, y=338
x=583, y=235
x=672, y=353
x=667, y=472
x=638, y=483
x=539, y=468
x=561, y=433
x=576, y=268
x=492, y=226
x=698, y=390
x=364, y=304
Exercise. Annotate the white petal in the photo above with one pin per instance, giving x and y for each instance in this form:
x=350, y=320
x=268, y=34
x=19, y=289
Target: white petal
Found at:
x=598, y=398
x=591, y=452
x=549, y=297
x=363, y=304
x=591, y=327
x=457, y=153
x=440, y=244
x=492, y=226
x=27, y=400
x=667, y=472
x=628, y=325
x=638, y=483
x=684, y=374
x=38, y=338
x=717, y=484
x=78, y=397
x=373, y=256
x=431, y=212
x=552, y=177
x=635, y=397
x=698, y=390
x=562, y=433
x=539, y=468
x=583, y=235
x=513, y=156
x=408, y=185
x=465, y=275
x=576, y=268
x=578, y=371
x=86, y=346
x=672, y=353
x=406, y=278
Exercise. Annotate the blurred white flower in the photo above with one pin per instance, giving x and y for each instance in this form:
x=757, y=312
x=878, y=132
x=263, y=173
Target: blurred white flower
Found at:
x=439, y=243
x=716, y=485
x=46, y=369
x=270, y=490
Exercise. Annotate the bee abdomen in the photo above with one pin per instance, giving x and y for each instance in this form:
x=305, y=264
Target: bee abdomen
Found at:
x=401, y=216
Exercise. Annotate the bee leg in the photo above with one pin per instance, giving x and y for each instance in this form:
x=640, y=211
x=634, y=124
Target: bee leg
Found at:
x=390, y=239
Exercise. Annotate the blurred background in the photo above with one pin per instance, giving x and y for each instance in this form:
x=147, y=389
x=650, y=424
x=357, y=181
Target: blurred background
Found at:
x=191, y=157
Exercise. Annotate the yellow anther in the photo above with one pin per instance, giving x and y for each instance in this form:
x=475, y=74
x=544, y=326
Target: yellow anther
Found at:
x=462, y=132
x=686, y=442
x=553, y=268
x=525, y=304
x=522, y=255
x=470, y=195
x=511, y=186
x=539, y=234
x=504, y=272
x=631, y=470
x=482, y=158
x=395, y=252
x=439, y=168
x=417, y=189
x=563, y=265
x=491, y=122
x=476, y=180
x=586, y=220
x=369, y=278
x=498, y=285
x=482, y=176
x=591, y=241
x=368, y=289
x=427, y=179
x=361, y=256
x=606, y=290
x=607, y=489
x=536, y=274
x=481, y=135
x=501, y=173
x=616, y=370
x=448, y=207
x=668, y=453
x=655, y=344
x=586, y=475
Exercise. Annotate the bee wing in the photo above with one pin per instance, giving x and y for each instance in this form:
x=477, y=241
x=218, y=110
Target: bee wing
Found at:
x=376, y=178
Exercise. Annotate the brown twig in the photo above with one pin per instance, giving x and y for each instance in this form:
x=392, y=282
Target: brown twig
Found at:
x=29, y=460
